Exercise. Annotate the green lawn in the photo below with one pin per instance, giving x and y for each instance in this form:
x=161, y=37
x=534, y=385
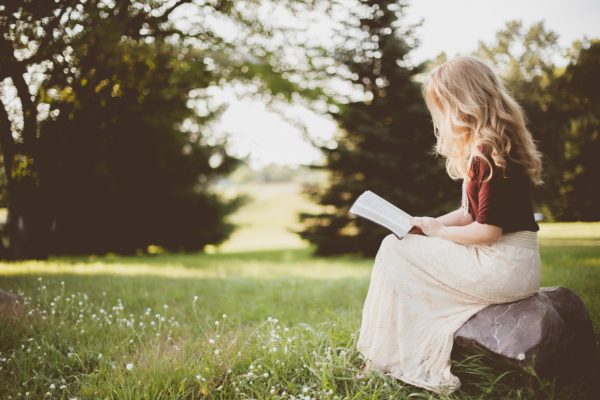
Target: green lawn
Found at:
x=267, y=221
x=256, y=324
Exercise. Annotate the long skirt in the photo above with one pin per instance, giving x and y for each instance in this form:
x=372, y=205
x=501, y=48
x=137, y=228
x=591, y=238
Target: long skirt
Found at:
x=424, y=288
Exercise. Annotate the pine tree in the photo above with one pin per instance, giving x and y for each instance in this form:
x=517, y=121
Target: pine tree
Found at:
x=579, y=191
x=385, y=142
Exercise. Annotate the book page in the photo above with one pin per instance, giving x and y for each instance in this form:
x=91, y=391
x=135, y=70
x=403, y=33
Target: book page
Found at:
x=373, y=207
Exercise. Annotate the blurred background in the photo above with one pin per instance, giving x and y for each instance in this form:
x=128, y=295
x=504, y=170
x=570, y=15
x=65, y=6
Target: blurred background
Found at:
x=149, y=127
x=175, y=179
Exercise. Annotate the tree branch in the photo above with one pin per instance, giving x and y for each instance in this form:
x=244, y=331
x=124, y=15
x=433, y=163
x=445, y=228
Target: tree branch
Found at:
x=163, y=17
x=29, y=113
x=46, y=40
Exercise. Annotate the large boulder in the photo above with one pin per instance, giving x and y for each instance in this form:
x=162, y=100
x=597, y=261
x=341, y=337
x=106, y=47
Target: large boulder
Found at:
x=550, y=332
x=10, y=305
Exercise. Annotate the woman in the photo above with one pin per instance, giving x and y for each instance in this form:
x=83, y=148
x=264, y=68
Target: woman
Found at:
x=424, y=287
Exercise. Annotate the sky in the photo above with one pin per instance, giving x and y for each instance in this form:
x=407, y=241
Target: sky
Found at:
x=455, y=27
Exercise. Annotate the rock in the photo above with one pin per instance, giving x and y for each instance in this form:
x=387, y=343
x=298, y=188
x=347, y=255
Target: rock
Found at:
x=10, y=305
x=550, y=332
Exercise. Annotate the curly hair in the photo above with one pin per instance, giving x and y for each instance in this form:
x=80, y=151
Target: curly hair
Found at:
x=471, y=109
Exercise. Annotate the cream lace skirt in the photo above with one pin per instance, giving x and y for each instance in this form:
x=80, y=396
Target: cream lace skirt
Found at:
x=424, y=288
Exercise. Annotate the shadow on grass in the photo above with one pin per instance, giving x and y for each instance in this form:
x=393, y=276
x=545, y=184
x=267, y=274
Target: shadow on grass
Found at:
x=481, y=373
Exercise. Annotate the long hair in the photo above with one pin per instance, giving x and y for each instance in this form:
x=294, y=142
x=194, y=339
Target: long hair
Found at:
x=471, y=109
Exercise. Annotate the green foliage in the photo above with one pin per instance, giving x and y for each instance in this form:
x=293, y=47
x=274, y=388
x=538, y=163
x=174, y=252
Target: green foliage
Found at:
x=118, y=172
x=110, y=312
x=123, y=159
x=385, y=141
x=579, y=97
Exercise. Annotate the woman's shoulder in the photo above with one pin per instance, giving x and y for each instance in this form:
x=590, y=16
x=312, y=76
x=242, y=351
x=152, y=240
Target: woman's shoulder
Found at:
x=481, y=163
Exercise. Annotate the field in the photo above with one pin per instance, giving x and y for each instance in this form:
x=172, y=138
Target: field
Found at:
x=268, y=321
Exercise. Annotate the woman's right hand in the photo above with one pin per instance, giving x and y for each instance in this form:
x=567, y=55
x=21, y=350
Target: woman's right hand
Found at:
x=429, y=226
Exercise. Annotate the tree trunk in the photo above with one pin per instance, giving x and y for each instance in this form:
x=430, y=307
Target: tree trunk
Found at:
x=26, y=225
x=7, y=144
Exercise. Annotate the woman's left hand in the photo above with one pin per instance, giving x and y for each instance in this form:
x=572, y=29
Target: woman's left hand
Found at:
x=430, y=226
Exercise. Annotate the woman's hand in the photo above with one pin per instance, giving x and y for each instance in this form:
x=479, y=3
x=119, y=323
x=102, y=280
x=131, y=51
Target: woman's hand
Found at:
x=430, y=226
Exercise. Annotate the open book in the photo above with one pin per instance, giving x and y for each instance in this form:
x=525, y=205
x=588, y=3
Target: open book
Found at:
x=373, y=207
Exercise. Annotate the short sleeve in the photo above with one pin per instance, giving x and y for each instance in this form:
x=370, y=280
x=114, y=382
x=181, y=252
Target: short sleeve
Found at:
x=493, y=196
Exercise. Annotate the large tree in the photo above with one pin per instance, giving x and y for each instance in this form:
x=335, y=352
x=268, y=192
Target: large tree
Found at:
x=117, y=170
x=114, y=77
x=385, y=141
x=578, y=95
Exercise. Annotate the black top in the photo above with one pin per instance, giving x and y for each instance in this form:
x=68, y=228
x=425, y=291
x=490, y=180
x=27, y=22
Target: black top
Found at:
x=504, y=201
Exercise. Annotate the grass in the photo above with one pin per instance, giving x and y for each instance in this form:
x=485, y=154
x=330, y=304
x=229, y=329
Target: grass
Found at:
x=235, y=325
x=283, y=325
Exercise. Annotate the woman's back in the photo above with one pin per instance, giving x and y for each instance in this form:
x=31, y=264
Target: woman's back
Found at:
x=506, y=200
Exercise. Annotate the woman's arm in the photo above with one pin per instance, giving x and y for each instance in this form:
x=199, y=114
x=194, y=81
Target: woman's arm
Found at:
x=455, y=218
x=473, y=233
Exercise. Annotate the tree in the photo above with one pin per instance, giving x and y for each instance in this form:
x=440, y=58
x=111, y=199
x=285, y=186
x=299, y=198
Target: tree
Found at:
x=117, y=170
x=579, y=97
x=44, y=48
x=385, y=141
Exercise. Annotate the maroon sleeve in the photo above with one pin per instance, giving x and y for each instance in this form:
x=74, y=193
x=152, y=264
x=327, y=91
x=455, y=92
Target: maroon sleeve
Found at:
x=493, y=206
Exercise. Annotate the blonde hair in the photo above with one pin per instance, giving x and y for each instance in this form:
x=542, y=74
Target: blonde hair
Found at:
x=472, y=109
